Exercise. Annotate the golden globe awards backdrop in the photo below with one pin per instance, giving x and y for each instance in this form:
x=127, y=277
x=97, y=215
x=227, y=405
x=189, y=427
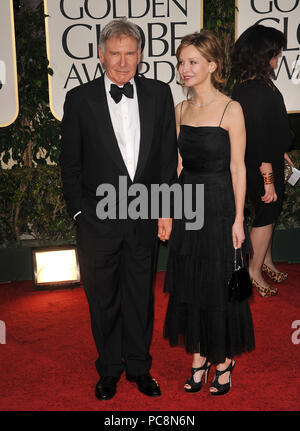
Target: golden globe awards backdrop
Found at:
x=73, y=29
x=284, y=15
x=9, y=105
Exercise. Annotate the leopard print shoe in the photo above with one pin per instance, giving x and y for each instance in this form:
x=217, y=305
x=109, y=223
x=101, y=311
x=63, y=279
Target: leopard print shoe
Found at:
x=264, y=291
x=278, y=277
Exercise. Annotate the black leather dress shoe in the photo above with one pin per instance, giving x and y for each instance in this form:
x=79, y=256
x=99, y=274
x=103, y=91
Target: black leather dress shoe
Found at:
x=146, y=384
x=106, y=388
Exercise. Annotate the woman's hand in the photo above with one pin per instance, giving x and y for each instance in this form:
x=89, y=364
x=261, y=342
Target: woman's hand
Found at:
x=286, y=157
x=270, y=194
x=238, y=234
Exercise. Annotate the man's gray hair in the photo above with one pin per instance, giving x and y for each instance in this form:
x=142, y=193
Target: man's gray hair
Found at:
x=119, y=27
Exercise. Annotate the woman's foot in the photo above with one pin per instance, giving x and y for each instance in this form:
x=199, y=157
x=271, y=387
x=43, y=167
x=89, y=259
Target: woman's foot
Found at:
x=273, y=273
x=199, y=368
x=264, y=290
x=222, y=381
x=260, y=284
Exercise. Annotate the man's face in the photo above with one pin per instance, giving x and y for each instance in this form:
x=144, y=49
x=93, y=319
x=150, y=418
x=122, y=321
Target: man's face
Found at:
x=120, y=58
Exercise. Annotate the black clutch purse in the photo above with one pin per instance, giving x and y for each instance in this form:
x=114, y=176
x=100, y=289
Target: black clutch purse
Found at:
x=240, y=285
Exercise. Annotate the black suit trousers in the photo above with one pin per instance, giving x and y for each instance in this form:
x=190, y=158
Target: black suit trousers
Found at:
x=117, y=273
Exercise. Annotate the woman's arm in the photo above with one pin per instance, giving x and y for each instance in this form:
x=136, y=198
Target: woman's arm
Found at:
x=237, y=135
x=266, y=171
x=178, y=115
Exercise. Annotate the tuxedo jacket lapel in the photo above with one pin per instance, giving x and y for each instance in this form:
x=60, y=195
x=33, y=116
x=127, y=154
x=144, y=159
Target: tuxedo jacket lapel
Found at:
x=103, y=121
x=108, y=138
x=146, y=110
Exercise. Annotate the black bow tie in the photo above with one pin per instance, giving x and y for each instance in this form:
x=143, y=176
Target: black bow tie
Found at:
x=117, y=92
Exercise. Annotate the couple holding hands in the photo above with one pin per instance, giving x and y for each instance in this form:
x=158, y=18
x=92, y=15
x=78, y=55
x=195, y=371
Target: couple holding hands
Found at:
x=125, y=124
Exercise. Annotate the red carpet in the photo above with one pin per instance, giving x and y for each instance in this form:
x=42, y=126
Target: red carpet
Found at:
x=47, y=362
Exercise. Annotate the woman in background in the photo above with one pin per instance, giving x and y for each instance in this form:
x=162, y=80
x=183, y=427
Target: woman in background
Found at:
x=254, y=58
x=211, y=142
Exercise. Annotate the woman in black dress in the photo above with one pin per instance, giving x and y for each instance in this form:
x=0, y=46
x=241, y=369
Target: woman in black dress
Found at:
x=254, y=58
x=211, y=143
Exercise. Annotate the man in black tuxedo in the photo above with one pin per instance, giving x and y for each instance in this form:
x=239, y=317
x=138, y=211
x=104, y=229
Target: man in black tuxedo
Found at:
x=119, y=125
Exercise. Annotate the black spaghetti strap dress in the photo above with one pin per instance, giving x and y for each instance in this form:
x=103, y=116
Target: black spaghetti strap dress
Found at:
x=200, y=262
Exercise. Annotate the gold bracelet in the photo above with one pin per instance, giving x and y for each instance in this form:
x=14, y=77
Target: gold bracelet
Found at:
x=268, y=178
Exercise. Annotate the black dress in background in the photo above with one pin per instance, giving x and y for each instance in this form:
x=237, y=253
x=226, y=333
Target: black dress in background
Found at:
x=268, y=137
x=200, y=262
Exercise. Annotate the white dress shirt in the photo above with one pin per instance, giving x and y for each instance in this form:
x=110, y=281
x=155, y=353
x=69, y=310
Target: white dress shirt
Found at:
x=125, y=119
x=126, y=123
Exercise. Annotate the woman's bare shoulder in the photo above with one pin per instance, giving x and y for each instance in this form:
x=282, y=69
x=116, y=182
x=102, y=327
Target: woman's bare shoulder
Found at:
x=234, y=107
x=180, y=105
x=179, y=109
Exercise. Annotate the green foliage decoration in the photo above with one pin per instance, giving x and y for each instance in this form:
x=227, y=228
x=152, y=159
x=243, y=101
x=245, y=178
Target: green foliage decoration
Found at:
x=219, y=17
x=32, y=206
x=33, y=139
x=290, y=214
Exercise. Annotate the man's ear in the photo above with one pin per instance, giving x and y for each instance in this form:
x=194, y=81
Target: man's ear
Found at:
x=139, y=54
